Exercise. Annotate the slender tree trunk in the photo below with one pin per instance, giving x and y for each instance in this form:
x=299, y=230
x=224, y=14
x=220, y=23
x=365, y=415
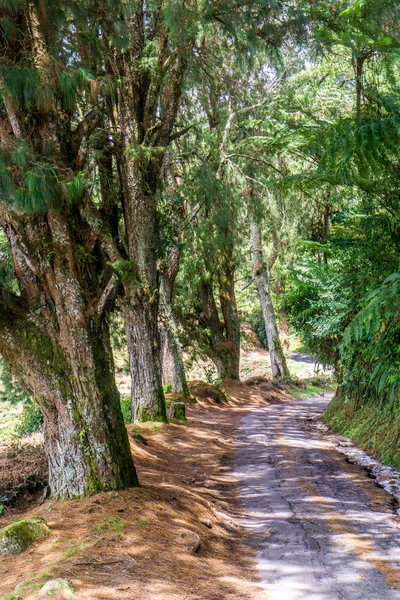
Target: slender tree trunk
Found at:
x=172, y=357
x=142, y=289
x=261, y=276
x=148, y=104
x=179, y=385
x=231, y=318
x=167, y=361
x=222, y=351
x=359, y=64
x=148, y=403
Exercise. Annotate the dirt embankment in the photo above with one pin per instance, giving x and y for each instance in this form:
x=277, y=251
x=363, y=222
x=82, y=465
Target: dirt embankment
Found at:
x=176, y=537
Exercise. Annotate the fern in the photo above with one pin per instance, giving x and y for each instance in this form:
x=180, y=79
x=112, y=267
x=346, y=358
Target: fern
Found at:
x=370, y=350
x=382, y=309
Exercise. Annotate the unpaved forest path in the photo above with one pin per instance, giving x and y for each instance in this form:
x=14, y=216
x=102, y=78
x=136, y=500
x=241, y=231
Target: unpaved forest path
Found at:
x=321, y=529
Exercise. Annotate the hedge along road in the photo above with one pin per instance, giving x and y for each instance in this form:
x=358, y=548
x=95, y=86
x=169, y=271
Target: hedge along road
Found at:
x=321, y=529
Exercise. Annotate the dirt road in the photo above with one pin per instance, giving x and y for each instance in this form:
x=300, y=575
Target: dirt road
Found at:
x=321, y=529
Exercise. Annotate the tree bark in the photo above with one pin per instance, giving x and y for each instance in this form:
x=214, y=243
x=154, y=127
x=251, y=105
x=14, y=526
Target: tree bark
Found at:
x=170, y=327
x=167, y=361
x=142, y=287
x=58, y=347
x=262, y=279
x=147, y=394
x=221, y=350
x=226, y=284
x=85, y=437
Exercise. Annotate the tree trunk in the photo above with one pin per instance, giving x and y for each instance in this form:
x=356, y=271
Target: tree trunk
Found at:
x=141, y=284
x=71, y=378
x=226, y=284
x=147, y=107
x=167, y=361
x=53, y=332
x=222, y=351
x=146, y=111
x=147, y=394
x=358, y=62
x=179, y=383
x=261, y=276
x=87, y=444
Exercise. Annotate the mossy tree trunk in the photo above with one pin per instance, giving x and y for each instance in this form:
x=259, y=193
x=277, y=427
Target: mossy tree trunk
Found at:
x=53, y=330
x=262, y=280
x=141, y=301
x=146, y=111
x=57, y=345
x=171, y=350
x=226, y=284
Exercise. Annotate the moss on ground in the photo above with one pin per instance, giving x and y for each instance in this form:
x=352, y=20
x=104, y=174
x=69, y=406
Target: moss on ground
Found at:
x=206, y=391
x=57, y=588
x=18, y=536
x=372, y=428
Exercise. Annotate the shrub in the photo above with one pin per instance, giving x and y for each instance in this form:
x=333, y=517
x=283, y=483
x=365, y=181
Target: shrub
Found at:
x=31, y=419
x=126, y=408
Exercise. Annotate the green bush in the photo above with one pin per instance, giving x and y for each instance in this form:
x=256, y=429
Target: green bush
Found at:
x=31, y=419
x=126, y=408
x=257, y=321
x=10, y=390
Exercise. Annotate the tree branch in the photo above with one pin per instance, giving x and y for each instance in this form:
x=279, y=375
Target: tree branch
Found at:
x=93, y=217
x=241, y=111
x=257, y=159
x=106, y=295
x=248, y=285
x=84, y=129
x=182, y=132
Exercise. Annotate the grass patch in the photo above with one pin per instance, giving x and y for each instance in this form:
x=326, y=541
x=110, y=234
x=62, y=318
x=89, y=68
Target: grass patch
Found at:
x=312, y=386
x=111, y=525
x=309, y=391
x=300, y=369
x=35, y=582
x=72, y=550
x=376, y=430
x=148, y=427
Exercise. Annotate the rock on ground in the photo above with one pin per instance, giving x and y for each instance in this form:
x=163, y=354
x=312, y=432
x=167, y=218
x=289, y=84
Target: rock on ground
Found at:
x=58, y=589
x=18, y=536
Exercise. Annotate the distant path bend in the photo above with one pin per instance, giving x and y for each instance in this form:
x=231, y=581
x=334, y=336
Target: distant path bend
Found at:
x=321, y=529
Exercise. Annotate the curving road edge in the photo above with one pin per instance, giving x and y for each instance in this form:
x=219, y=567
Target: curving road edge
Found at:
x=320, y=528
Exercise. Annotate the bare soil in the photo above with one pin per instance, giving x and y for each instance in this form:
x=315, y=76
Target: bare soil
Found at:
x=176, y=537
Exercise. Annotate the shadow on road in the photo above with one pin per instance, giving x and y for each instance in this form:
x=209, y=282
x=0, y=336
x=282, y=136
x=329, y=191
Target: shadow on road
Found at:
x=320, y=527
